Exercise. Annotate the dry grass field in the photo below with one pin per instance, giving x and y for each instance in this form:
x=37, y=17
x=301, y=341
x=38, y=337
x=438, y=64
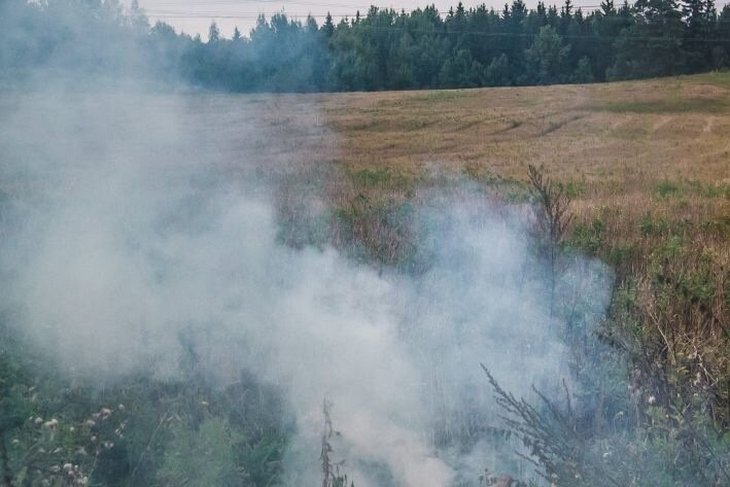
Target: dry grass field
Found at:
x=617, y=144
x=629, y=151
x=646, y=163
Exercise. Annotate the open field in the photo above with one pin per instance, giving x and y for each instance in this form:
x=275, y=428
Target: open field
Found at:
x=656, y=145
x=628, y=152
x=646, y=163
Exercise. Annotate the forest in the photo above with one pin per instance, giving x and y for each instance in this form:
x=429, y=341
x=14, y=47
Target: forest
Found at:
x=382, y=49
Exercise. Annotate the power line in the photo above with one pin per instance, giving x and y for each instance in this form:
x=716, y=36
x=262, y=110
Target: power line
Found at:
x=271, y=2
x=364, y=7
x=182, y=15
x=248, y=15
x=252, y=16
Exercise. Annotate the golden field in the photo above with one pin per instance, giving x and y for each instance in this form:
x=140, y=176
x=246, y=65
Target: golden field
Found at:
x=646, y=164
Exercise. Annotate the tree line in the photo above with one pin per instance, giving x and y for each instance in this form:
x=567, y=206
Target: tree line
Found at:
x=379, y=50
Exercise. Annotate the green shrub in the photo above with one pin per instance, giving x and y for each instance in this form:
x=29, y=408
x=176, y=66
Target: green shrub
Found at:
x=202, y=456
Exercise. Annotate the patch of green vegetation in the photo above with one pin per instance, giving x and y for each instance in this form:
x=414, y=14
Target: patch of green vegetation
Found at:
x=693, y=285
x=620, y=255
x=707, y=190
x=575, y=189
x=667, y=188
x=376, y=231
x=668, y=250
x=485, y=176
x=668, y=105
x=650, y=226
x=716, y=78
x=662, y=226
x=202, y=455
x=138, y=432
x=380, y=178
x=588, y=237
x=371, y=177
x=696, y=287
x=719, y=226
x=510, y=190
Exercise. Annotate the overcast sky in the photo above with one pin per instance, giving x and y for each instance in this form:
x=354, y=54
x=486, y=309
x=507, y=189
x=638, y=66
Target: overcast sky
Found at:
x=195, y=16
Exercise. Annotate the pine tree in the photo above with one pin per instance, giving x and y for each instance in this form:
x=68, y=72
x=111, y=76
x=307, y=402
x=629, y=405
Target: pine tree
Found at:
x=608, y=8
x=652, y=46
x=214, y=34
x=546, y=57
x=700, y=18
x=329, y=27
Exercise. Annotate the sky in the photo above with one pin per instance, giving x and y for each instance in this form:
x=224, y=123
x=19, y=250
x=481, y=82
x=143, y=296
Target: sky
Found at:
x=195, y=16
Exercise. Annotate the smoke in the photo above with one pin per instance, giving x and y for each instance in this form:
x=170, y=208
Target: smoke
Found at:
x=140, y=228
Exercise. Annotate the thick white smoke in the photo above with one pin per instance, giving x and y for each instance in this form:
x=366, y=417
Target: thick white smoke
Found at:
x=132, y=235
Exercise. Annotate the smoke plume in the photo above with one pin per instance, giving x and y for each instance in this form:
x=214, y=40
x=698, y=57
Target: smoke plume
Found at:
x=139, y=227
